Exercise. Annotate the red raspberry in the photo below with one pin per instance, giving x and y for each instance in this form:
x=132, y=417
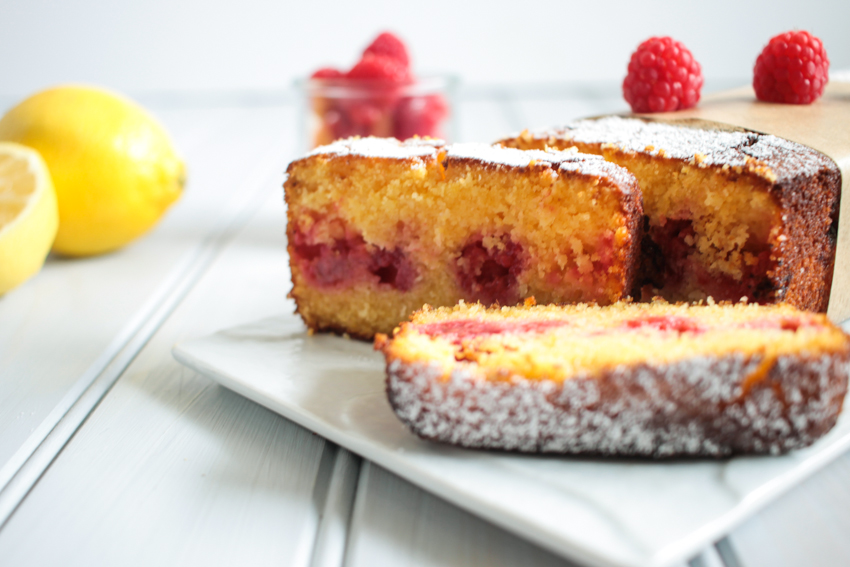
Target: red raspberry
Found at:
x=327, y=73
x=388, y=45
x=420, y=116
x=379, y=68
x=663, y=76
x=793, y=68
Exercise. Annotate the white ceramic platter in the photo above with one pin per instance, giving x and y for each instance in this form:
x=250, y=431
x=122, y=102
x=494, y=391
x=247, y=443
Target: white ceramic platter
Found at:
x=595, y=511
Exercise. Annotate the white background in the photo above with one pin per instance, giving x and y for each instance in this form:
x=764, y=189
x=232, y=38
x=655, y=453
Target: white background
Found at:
x=196, y=46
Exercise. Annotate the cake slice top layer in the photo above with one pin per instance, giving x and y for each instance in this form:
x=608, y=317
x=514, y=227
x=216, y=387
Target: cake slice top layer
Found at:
x=382, y=148
x=565, y=342
x=706, y=144
x=568, y=161
x=511, y=157
x=419, y=150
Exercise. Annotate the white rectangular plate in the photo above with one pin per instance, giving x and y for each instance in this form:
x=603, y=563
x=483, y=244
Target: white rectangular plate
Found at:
x=612, y=512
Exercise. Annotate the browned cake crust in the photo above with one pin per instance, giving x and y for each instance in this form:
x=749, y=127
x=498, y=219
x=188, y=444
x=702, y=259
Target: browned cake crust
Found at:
x=791, y=261
x=651, y=380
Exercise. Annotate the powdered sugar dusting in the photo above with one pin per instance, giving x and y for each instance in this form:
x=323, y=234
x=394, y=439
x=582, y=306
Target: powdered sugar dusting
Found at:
x=382, y=148
x=706, y=146
x=696, y=407
x=569, y=162
x=510, y=157
x=620, y=176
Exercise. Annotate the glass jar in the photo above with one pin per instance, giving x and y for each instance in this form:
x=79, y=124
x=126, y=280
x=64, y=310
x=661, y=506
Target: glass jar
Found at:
x=341, y=108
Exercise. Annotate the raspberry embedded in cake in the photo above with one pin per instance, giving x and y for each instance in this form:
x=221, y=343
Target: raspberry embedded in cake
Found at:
x=672, y=267
x=344, y=260
x=393, y=268
x=488, y=273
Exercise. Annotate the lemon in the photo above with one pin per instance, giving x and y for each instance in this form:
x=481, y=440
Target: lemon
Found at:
x=28, y=216
x=114, y=167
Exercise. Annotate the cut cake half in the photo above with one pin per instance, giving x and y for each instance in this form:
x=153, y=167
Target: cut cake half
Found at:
x=377, y=228
x=731, y=213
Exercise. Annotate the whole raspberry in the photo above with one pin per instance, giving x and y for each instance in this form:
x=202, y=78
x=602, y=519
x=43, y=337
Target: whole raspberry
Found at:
x=379, y=68
x=663, y=76
x=327, y=73
x=792, y=68
x=388, y=45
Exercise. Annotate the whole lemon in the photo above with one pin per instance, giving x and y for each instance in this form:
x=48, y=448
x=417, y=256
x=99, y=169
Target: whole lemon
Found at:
x=114, y=168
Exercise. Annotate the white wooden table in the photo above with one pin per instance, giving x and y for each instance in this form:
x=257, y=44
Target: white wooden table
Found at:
x=112, y=453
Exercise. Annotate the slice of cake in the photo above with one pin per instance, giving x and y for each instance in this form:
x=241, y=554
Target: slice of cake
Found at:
x=651, y=379
x=730, y=213
x=377, y=228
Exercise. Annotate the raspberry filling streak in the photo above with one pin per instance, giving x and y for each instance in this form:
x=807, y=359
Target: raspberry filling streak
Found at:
x=461, y=329
x=458, y=330
x=677, y=324
x=785, y=323
x=665, y=323
x=348, y=260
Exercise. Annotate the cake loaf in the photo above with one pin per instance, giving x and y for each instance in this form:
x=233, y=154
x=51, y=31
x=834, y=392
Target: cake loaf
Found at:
x=651, y=379
x=377, y=228
x=730, y=213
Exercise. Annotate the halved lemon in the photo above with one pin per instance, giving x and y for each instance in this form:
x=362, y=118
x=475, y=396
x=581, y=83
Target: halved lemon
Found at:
x=29, y=217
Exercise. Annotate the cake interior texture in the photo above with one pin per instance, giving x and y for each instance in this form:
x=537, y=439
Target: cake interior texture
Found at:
x=377, y=228
x=729, y=213
x=548, y=342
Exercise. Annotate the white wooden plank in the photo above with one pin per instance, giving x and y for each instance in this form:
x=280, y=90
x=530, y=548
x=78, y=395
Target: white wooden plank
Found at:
x=332, y=534
x=397, y=524
x=708, y=558
x=727, y=553
x=174, y=291
x=808, y=526
x=62, y=327
x=172, y=470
